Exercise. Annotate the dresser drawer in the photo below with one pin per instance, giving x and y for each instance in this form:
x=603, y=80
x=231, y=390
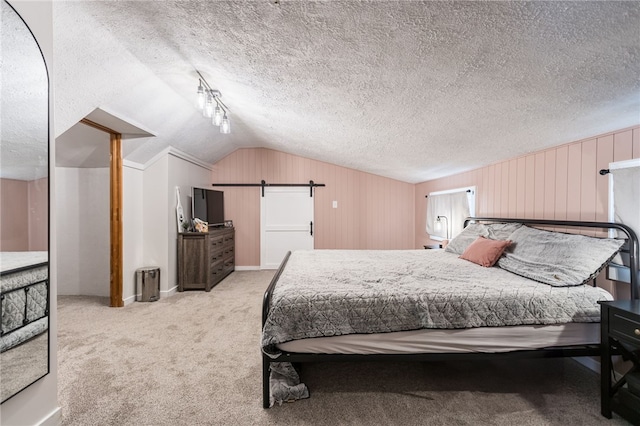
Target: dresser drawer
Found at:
x=216, y=242
x=215, y=255
x=216, y=271
x=624, y=328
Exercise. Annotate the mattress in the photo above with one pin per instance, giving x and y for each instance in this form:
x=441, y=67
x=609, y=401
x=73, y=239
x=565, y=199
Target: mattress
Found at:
x=340, y=292
x=12, y=260
x=24, y=286
x=481, y=339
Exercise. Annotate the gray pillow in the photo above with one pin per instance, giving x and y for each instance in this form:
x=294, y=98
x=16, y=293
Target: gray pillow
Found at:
x=493, y=231
x=557, y=259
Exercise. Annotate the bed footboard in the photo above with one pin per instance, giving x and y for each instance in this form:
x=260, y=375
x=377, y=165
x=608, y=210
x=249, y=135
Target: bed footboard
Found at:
x=25, y=319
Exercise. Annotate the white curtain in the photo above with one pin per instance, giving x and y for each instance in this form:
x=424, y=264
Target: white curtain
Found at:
x=459, y=212
x=455, y=209
x=437, y=205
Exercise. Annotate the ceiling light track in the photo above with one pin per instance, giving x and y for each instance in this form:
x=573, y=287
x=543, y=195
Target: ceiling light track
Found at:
x=211, y=105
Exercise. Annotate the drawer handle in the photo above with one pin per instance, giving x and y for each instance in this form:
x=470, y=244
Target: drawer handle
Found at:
x=636, y=331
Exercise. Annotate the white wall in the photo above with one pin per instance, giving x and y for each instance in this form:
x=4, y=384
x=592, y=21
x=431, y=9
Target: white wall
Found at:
x=132, y=228
x=183, y=174
x=160, y=229
x=149, y=223
x=82, y=204
x=38, y=404
x=154, y=222
x=67, y=218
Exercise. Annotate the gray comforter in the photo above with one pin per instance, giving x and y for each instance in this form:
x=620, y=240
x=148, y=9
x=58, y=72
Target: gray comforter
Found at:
x=334, y=292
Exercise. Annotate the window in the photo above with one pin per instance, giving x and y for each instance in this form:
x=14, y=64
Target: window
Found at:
x=624, y=193
x=447, y=210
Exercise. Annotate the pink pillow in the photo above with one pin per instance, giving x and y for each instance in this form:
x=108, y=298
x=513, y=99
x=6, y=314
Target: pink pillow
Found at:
x=485, y=252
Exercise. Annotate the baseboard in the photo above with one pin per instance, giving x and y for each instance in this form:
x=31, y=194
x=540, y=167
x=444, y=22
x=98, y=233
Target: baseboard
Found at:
x=53, y=419
x=167, y=293
x=163, y=294
x=247, y=268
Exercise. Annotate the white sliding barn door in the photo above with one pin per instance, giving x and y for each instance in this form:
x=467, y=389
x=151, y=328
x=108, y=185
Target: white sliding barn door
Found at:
x=286, y=223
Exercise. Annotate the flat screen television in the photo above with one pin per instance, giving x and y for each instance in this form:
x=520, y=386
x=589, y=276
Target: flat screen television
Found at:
x=207, y=205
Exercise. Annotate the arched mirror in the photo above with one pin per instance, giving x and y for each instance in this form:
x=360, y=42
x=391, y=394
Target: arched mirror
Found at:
x=24, y=207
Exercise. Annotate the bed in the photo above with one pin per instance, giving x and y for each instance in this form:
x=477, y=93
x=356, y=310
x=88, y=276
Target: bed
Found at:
x=539, y=300
x=24, y=288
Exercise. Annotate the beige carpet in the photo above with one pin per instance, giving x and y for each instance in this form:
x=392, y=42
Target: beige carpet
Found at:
x=194, y=359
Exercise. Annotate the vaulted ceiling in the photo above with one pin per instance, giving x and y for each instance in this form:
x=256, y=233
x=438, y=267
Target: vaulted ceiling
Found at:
x=405, y=89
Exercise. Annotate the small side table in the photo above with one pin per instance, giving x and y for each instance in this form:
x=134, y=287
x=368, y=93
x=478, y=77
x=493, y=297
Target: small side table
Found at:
x=619, y=334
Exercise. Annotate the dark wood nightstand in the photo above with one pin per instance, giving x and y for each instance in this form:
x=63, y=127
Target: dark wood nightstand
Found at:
x=620, y=335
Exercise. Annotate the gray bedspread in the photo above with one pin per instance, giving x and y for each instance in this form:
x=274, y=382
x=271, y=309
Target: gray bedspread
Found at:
x=335, y=292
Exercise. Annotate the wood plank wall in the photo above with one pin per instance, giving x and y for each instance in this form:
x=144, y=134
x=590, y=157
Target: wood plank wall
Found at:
x=380, y=213
x=373, y=212
x=14, y=218
x=24, y=219
x=39, y=214
x=557, y=183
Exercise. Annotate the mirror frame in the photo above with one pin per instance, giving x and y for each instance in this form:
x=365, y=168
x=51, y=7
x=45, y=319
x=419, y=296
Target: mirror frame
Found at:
x=48, y=210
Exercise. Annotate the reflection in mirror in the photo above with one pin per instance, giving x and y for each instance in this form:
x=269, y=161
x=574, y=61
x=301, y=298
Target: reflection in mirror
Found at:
x=24, y=208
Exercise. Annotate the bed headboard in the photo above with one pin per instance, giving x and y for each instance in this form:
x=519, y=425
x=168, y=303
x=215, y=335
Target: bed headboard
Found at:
x=630, y=247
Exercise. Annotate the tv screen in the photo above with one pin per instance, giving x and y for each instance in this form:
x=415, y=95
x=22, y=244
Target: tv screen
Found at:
x=207, y=205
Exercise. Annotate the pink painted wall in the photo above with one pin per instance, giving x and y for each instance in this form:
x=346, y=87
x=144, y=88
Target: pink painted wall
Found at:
x=24, y=215
x=14, y=222
x=380, y=213
x=39, y=215
x=373, y=212
x=557, y=183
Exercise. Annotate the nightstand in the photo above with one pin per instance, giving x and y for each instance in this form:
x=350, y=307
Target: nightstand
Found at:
x=620, y=335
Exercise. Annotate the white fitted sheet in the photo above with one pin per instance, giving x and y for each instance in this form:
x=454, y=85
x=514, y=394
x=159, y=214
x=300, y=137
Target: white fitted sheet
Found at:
x=480, y=339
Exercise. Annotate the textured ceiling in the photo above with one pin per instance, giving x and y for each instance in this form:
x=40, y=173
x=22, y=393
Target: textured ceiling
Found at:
x=23, y=102
x=405, y=89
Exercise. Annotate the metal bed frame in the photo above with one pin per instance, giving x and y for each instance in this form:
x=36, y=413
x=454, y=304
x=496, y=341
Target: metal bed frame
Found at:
x=25, y=288
x=631, y=248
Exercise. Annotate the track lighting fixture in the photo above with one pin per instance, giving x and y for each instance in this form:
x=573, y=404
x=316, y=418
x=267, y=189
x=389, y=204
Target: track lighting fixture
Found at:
x=208, y=101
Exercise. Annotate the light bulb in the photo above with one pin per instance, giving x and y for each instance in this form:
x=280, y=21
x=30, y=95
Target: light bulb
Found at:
x=217, y=116
x=200, y=99
x=225, y=127
x=208, y=108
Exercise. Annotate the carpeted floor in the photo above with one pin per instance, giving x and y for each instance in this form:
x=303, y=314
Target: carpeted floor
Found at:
x=194, y=359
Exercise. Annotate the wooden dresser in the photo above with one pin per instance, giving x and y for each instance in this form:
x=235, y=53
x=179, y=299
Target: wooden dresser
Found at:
x=204, y=259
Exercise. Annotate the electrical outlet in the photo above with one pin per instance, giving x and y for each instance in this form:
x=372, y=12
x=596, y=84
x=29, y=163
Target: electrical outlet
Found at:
x=335, y=204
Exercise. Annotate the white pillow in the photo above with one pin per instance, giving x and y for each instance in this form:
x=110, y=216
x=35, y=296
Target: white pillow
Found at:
x=493, y=231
